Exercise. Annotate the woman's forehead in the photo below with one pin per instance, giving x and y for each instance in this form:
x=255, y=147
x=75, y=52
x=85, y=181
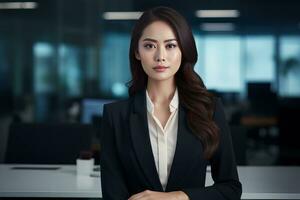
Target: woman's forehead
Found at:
x=159, y=31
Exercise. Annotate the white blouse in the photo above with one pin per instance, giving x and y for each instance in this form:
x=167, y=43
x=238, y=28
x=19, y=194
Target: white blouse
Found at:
x=163, y=140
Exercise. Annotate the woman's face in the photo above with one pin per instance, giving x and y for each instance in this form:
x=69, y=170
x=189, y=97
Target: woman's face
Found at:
x=159, y=52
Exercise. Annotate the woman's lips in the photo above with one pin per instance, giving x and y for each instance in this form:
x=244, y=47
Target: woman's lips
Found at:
x=160, y=68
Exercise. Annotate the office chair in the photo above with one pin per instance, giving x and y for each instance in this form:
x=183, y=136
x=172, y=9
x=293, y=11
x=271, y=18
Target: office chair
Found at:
x=47, y=143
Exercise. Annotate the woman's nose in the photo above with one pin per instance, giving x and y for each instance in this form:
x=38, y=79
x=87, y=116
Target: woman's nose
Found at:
x=160, y=59
x=160, y=55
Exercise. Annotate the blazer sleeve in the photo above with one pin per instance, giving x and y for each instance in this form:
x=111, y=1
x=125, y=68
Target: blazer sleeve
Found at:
x=223, y=166
x=113, y=182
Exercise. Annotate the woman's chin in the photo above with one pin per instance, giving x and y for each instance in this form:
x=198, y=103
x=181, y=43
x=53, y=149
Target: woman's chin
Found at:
x=161, y=77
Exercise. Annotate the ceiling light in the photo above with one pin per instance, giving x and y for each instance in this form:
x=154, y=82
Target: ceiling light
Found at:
x=217, y=27
x=122, y=15
x=217, y=13
x=18, y=5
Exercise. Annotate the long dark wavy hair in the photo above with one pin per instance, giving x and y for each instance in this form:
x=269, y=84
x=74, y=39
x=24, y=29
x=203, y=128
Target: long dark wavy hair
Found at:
x=193, y=96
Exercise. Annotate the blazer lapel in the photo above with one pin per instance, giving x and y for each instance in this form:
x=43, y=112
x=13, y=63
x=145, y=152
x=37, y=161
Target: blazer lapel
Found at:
x=141, y=140
x=185, y=152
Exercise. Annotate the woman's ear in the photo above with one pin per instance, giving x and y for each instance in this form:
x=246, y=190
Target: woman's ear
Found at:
x=137, y=55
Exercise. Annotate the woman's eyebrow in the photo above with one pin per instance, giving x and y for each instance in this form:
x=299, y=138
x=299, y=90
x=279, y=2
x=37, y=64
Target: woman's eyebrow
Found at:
x=153, y=40
x=169, y=40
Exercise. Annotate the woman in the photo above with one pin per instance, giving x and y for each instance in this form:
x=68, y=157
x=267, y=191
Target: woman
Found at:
x=158, y=143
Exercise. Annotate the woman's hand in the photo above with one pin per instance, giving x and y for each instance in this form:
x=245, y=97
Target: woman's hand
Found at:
x=153, y=195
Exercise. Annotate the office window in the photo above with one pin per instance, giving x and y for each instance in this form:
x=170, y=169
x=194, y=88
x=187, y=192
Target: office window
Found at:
x=199, y=66
x=114, y=64
x=219, y=62
x=289, y=72
x=259, y=58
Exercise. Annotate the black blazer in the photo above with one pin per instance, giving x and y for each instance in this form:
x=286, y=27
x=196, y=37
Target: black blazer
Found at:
x=127, y=162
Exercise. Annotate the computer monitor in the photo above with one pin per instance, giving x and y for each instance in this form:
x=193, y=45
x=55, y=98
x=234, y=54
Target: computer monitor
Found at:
x=92, y=108
x=258, y=90
x=262, y=99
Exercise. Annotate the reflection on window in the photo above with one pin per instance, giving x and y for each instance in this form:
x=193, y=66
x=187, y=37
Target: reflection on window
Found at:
x=289, y=80
x=259, y=62
x=70, y=70
x=219, y=62
x=44, y=79
x=44, y=75
x=114, y=64
x=55, y=70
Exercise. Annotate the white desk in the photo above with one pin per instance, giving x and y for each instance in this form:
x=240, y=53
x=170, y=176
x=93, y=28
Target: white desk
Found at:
x=270, y=182
x=258, y=182
x=47, y=183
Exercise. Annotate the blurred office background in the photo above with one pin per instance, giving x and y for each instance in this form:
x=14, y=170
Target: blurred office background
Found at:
x=61, y=60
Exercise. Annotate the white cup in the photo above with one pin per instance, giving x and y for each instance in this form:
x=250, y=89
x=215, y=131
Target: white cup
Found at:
x=85, y=167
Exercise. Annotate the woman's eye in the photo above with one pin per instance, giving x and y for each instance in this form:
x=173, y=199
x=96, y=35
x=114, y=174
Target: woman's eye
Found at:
x=170, y=46
x=149, y=46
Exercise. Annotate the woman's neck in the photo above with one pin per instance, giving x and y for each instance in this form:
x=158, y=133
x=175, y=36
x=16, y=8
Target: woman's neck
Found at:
x=161, y=92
